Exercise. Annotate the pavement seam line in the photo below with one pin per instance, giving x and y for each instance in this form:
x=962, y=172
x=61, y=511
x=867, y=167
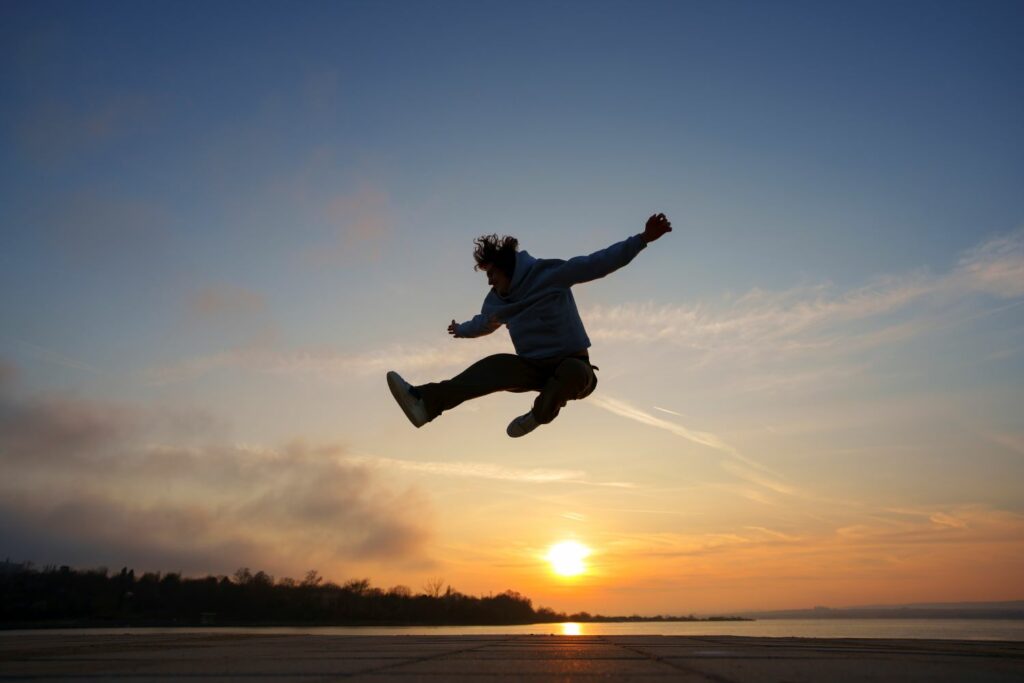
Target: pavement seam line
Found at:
x=675, y=665
x=427, y=658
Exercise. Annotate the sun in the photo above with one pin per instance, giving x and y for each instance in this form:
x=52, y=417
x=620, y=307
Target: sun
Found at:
x=567, y=557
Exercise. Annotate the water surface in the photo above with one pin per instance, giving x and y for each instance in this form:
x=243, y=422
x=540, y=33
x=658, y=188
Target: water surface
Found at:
x=940, y=629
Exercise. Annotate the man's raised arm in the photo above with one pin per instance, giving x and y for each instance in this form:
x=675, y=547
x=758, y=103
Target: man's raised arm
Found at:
x=601, y=263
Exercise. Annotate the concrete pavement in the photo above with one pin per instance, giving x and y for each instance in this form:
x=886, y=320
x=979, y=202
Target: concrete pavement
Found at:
x=434, y=659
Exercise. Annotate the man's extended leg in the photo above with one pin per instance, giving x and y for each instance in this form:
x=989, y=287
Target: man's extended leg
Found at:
x=573, y=378
x=569, y=378
x=500, y=372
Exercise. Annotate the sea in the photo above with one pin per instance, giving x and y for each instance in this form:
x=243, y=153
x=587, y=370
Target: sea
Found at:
x=929, y=629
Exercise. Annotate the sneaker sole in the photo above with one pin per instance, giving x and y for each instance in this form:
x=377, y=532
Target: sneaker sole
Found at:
x=396, y=385
x=520, y=432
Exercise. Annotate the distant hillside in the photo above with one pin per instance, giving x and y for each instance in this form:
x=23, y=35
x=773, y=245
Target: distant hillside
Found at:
x=1010, y=609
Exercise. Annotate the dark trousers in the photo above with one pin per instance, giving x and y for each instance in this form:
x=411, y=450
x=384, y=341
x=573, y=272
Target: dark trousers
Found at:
x=559, y=380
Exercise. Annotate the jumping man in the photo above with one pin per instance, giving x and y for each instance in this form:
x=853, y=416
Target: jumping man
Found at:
x=533, y=298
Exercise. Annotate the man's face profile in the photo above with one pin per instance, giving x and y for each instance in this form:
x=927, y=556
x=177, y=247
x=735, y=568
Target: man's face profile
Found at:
x=496, y=278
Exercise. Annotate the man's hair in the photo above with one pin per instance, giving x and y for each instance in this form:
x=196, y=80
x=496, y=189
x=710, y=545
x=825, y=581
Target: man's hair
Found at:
x=496, y=251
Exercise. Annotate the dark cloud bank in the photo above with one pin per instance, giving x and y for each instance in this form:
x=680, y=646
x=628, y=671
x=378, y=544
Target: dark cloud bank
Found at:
x=86, y=484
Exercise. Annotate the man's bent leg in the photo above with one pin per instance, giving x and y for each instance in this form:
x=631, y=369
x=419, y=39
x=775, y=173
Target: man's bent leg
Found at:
x=572, y=379
x=500, y=372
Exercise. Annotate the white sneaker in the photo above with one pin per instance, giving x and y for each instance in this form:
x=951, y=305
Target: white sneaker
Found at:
x=522, y=425
x=413, y=407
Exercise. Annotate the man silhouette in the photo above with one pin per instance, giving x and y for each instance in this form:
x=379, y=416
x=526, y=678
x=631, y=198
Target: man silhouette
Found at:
x=533, y=298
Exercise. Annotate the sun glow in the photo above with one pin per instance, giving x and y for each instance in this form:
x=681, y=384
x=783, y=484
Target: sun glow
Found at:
x=571, y=628
x=567, y=557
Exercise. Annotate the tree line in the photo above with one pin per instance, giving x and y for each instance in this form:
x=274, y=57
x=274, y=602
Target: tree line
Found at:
x=53, y=596
x=96, y=596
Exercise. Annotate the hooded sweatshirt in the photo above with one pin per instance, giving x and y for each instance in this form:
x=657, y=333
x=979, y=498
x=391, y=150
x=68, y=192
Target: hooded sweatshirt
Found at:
x=539, y=308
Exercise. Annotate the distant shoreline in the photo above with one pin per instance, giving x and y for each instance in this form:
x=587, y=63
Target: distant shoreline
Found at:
x=836, y=615
x=90, y=624
x=894, y=617
x=891, y=613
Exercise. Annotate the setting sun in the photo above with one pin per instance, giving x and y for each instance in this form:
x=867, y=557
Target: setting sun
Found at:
x=566, y=558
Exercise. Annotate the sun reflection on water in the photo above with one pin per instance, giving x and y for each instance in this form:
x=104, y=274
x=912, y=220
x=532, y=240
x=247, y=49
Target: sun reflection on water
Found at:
x=570, y=628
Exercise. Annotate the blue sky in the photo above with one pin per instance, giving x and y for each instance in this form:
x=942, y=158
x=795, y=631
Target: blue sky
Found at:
x=238, y=215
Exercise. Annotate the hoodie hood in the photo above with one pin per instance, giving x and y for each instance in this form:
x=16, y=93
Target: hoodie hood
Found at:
x=524, y=264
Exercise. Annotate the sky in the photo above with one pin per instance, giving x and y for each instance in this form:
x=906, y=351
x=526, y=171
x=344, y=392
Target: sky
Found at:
x=222, y=223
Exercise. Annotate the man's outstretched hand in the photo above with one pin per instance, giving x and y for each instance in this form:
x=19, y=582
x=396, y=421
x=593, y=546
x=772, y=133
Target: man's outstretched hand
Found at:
x=657, y=225
x=453, y=329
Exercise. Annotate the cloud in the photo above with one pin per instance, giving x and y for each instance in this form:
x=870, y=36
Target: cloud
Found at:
x=666, y=410
x=759, y=475
x=1013, y=441
x=60, y=430
x=91, y=530
x=56, y=430
x=80, y=477
x=920, y=532
x=481, y=470
x=809, y=320
x=330, y=365
x=758, y=324
x=852, y=557
x=735, y=462
x=785, y=379
x=360, y=224
x=761, y=333
x=774, y=534
x=624, y=409
x=995, y=267
x=964, y=523
x=47, y=355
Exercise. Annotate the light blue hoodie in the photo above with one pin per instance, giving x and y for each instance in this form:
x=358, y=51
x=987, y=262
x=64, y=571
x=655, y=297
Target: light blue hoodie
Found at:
x=539, y=308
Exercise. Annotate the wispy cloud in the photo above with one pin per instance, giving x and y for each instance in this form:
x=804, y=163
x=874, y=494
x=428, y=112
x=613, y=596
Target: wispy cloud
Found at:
x=757, y=474
x=666, y=410
x=774, y=534
x=787, y=379
x=50, y=356
x=734, y=462
x=820, y=319
x=361, y=222
x=758, y=332
x=1010, y=440
x=895, y=538
x=883, y=552
x=480, y=470
x=331, y=365
x=962, y=523
x=624, y=409
x=995, y=266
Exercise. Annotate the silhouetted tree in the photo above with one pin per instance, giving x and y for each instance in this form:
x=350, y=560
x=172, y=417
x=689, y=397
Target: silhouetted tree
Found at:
x=433, y=587
x=51, y=595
